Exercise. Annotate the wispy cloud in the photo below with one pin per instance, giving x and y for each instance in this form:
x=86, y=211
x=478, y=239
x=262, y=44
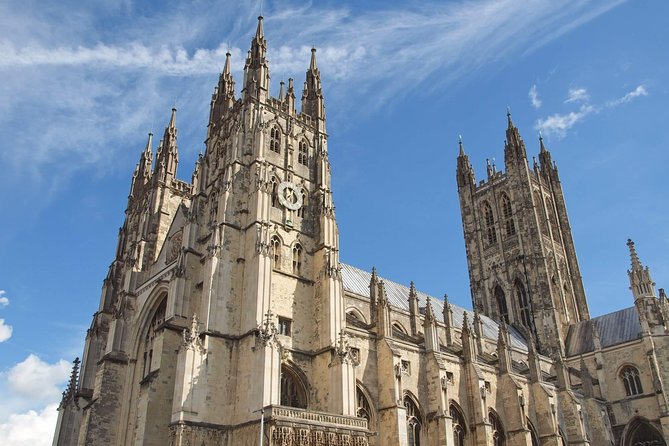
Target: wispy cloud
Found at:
x=558, y=124
x=5, y=331
x=637, y=92
x=534, y=96
x=577, y=95
x=105, y=89
x=4, y=300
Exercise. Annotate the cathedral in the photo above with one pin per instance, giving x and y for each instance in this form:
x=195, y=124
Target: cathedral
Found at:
x=226, y=317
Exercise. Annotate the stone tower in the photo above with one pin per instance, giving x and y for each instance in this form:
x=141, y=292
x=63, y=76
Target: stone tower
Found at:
x=520, y=252
x=225, y=300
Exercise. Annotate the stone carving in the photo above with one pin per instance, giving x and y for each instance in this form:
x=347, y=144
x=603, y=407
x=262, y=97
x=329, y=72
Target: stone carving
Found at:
x=266, y=334
x=191, y=336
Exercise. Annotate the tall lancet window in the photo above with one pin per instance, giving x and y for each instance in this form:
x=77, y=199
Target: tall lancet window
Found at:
x=507, y=213
x=498, y=437
x=275, y=193
x=413, y=421
x=275, y=139
x=303, y=153
x=276, y=252
x=157, y=319
x=489, y=223
x=297, y=258
x=459, y=427
x=500, y=297
x=523, y=304
x=301, y=212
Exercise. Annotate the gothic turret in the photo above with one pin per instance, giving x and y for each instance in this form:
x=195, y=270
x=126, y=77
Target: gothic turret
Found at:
x=465, y=172
x=256, y=70
x=641, y=284
x=224, y=94
x=142, y=174
x=514, y=148
x=312, y=96
x=167, y=156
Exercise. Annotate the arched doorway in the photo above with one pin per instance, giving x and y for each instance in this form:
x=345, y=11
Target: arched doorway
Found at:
x=640, y=432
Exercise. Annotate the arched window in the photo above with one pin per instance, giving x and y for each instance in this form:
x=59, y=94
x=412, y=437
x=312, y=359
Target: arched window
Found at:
x=413, y=421
x=276, y=252
x=275, y=140
x=507, y=213
x=397, y=327
x=157, y=319
x=303, y=153
x=498, y=437
x=523, y=305
x=297, y=258
x=541, y=212
x=293, y=393
x=363, y=409
x=533, y=433
x=552, y=218
x=275, y=193
x=642, y=433
x=489, y=222
x=301, y=212
x=459, y=426
x=500, y=297
x=630, y=376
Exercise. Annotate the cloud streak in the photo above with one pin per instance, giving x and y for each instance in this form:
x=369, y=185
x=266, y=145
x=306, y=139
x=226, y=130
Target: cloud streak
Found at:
x=560, y=123
x=534, y=96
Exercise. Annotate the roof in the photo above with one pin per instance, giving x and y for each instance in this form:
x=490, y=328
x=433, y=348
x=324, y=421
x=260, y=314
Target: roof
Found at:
x=613, y=328
x=357, y=281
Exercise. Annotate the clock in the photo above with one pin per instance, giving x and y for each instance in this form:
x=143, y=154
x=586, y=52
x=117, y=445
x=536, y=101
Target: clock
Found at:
x=290, y=195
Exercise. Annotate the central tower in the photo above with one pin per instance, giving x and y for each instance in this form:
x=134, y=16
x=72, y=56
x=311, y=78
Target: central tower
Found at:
x=520, y=252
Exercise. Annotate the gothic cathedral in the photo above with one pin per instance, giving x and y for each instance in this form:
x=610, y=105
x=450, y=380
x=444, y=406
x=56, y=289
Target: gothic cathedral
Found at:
x=226, y=317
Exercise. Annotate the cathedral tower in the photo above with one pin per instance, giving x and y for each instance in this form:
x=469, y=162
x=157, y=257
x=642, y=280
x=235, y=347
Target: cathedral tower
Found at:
x=520, y=252
x=225, y=300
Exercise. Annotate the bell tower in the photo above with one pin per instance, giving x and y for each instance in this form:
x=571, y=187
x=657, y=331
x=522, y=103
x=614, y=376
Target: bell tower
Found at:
x=520, y=252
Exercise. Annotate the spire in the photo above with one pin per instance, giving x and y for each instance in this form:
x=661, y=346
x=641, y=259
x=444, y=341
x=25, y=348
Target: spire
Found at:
x=514, y=149
x=641, y=283
x=636, y=263
x=167, y=156
x=533, y=361
x=282, y=91
x=464, y=171
x=430, y=328
x=448, y=320
x=503, y=353
x=545, y=156
x=312, y=97
x=414, y=311
x=256, y=70
x=224, y=94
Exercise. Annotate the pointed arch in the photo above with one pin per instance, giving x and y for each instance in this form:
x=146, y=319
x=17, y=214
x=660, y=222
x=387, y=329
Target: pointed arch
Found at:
x=303, y=152
x=275, y=139
x=396, y=325
x=523, y=304
x=275, y=192
x=507, y=214
x=631, y=379
x=297, y=258
x=414, y=419
x=276, y=244
x=459, y=424
x=498, y=434
x=354, y=313
x=293, y=387
x=489, y=223
x=363, y=404
x=301, y=212
x=502, y=307
x=640, y=432
x=533, y=433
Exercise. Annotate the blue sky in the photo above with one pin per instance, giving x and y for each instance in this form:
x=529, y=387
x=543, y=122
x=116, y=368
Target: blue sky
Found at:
x=82, y=85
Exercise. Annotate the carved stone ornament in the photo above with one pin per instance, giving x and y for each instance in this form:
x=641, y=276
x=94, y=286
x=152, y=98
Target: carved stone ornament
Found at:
x=192, y=336
x=342, y=348
x=267, y=331
x=174, y=246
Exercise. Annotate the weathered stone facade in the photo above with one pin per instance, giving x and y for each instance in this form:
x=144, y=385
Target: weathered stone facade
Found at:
x=227, y=318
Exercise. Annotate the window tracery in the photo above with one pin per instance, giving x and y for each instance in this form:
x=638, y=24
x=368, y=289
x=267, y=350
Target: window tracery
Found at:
x=523, y=305
x=297, y=258
x=459, y=427
x=414, y=421
x=500, y=297
x=632, y=381
x=489, y=221
x=275, y=140
x=276, y=252
x=303, y=153
x=293, y=393
x=149, y=339
x=507, y=213
x=498, y=437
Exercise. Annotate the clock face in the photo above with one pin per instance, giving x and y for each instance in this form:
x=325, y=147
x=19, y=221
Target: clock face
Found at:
x=290, y=195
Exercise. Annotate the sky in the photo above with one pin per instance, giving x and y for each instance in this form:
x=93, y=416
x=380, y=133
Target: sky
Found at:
x=82, y=83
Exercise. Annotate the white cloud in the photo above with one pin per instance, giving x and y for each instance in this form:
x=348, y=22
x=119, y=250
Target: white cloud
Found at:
x=38, y=380
x=558, y=124
x=5, y=331
x=30, y=428
x=534, y=96
x=577, y=95
x=637, y=92
x=4, y=300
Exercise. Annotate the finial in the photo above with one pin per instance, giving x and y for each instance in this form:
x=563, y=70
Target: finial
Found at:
x=462, y=150
x=542, y=146
x=636, y=263
x=508, y=117
x=465, y=322
x=226, y=67
x=312, y=65
x=173, y=118
x=282, y=91
x=259, y=30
